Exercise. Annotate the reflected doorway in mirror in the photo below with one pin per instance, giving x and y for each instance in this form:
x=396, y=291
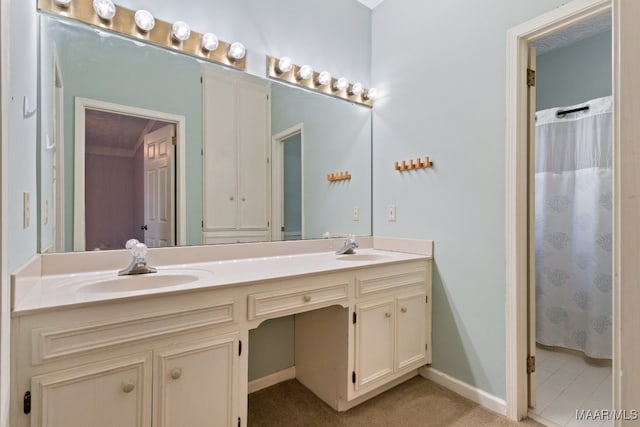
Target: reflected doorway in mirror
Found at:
x=127, y=176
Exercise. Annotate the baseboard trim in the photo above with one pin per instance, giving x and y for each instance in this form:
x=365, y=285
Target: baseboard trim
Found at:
x=474, y=394
x=272, y=379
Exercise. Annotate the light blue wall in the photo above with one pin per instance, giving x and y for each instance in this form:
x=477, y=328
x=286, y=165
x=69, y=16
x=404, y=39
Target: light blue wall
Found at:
x=293, y=184
x=574, y=74
x=22, y=70
x=336, y=137
x=334, y=35
x=441, y=69
x=127, y=74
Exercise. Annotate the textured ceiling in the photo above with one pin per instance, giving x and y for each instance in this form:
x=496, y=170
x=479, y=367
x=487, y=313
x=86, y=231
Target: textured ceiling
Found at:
x=116, y=131
x=574, y=34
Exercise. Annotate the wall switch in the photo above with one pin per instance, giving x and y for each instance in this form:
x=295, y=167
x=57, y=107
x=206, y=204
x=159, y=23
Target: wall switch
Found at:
x=356, y=214
x=391, y=213
x=25, y=210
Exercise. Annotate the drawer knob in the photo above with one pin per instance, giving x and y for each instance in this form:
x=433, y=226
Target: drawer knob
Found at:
x=306, y=298
x=128, y=386
x=387, y=314
x=176, y=373
x=403, y=309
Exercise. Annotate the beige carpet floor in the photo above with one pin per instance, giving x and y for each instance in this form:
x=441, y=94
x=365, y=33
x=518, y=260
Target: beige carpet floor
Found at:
x=417, y=402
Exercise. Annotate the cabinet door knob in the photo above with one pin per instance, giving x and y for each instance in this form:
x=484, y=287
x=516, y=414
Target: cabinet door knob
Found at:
x=387, y=314
x=128, y=386
x=244, y=199
x=231, y=197
x=403, y=309
x=306, y=298
x=176, y=373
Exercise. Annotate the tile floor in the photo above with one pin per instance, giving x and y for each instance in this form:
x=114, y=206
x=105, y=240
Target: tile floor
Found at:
x=567, y=382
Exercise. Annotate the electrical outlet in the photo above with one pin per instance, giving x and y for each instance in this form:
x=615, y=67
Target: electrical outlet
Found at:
x=25, y=210
x=356, y=214
x=391, y=213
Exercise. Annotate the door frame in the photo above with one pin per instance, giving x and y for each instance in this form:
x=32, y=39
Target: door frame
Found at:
x=516, y=194
x=81, y=105
x=277, y=180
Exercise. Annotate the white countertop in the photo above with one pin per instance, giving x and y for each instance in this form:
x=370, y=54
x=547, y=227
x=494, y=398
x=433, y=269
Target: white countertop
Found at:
x=49, y=291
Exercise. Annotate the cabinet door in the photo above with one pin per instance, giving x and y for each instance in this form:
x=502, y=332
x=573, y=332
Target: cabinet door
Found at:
x=411, y=321
x=253, y=146
x=114, y=393
x=374, y=342
x=219, y=105
x=196, y=384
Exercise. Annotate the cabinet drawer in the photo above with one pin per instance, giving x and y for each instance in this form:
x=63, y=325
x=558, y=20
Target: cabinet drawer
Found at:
x=382, y=279
x=277, y=303
x=52, y=343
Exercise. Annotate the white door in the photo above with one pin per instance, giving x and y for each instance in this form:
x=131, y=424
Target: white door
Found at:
x=159, y=191
x=531, y=281
x=253, y=147
x=411, y=324
x=219, y=153
x=196, y=384
x=374, y=342
x=114, y=393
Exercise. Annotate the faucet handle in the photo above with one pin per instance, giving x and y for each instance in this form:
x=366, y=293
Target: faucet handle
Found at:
x=131, y=243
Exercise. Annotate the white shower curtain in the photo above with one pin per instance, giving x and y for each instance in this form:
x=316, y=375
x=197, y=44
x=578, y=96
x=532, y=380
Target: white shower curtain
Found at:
x=574, y=228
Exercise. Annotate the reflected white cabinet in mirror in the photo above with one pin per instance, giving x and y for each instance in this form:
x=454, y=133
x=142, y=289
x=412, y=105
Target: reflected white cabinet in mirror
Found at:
x=236, y=129
x=78, y=61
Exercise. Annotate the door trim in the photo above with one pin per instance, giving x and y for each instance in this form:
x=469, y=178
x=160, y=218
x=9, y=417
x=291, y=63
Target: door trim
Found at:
x=516, y=252
x=81, y=105
x=277, y=179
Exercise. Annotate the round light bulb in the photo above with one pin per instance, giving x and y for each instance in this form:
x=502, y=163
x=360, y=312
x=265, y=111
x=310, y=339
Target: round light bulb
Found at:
x=284, y=65
x=341, y=84
x=324, y=78
x=63, y=3
x=180, y=31
x=356, y=89
x=144, y=20
x=210, y=42
x=105, y=9
x=305, y=72
x=371, y=93
x=237, y=51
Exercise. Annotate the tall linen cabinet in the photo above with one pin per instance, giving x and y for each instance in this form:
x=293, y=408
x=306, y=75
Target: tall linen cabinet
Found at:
x=236, y=172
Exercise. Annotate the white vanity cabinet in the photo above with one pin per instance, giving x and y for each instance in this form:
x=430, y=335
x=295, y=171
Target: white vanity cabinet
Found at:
x=388, y=338
x=113, y=392
x=236, y=144
x=169, y=361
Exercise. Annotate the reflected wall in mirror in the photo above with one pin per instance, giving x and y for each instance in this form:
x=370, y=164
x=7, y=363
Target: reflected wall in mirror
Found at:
x=280, y=159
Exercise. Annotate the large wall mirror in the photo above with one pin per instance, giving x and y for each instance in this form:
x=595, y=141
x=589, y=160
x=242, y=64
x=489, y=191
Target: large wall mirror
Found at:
x=141, y=141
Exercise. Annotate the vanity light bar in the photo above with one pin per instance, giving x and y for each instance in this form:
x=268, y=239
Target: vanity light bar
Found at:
x=123, y=22
x=338, y=87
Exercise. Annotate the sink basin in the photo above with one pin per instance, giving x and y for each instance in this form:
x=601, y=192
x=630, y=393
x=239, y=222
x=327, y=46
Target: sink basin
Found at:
x=140, y=282
x=362, y=257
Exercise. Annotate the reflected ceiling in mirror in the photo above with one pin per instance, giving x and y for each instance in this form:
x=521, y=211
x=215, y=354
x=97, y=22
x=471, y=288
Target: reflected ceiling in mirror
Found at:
x=310, y=135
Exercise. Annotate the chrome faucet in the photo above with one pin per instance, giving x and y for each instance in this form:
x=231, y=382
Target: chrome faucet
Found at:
x=139, y=263
x=349, y=246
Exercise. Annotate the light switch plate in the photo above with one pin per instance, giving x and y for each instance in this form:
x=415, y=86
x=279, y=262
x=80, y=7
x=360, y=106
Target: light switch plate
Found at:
x=391, y=213
x=356, y=214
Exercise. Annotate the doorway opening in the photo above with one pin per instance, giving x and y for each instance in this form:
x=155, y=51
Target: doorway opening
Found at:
x=571, y=222
x=520, y=206
x=288, y=184
x=127, y=176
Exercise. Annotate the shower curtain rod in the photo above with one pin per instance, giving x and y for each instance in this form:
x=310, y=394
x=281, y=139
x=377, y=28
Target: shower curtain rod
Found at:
x=561, y=113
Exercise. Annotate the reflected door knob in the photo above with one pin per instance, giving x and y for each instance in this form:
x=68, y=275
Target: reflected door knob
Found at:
x=143, y=227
